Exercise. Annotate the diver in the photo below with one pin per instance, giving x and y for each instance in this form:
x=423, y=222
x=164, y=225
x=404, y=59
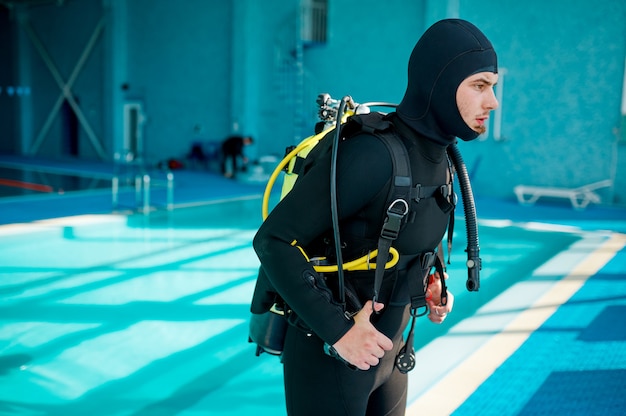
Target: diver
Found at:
x=342, y=359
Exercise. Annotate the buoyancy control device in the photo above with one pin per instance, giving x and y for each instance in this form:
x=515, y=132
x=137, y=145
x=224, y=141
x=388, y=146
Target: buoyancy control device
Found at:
x=267, y=329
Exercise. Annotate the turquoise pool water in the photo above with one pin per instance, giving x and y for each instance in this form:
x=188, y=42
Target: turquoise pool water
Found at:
x=146, y=315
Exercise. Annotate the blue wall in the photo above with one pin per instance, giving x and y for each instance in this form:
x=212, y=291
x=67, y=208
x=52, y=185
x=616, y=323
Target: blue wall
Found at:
x=61, y=34
x=204, y=69
x=564, y=65
x=179, y=64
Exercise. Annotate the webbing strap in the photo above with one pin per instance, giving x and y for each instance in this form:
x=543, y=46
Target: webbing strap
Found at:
x=441, y=270
x=405, y=361
x=417, y=294
x=441, y=193
x=418, y=285
x=402, y=191
x=400, y=196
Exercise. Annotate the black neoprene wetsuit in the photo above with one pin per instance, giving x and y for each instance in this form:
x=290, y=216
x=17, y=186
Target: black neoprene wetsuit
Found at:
x=429, y=120
x=315, y=382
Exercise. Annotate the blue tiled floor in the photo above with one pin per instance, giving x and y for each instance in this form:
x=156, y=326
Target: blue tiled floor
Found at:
x=574, y=364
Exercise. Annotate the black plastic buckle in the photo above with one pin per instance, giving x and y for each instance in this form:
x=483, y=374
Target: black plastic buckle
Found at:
x=288, y=150
x=428, y=260
x=391, y=227
x=418, y=191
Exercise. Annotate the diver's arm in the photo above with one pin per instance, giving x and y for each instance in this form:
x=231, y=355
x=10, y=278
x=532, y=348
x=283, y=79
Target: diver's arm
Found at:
x=305, y=214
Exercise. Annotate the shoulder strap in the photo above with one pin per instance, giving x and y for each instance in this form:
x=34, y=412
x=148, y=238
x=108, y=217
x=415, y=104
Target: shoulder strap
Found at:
x=400, y=195
x=399, y=200
x=400, y=192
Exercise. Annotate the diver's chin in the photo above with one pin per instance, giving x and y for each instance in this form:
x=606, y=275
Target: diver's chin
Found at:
x=480, y=129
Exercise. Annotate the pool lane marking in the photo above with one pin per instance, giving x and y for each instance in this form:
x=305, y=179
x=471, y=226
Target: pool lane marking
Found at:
x=26, y=185
x=58, y=223
x=459, y=384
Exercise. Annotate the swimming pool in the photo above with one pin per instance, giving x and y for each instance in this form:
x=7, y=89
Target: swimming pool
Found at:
x=143, y=315
x=23, y=182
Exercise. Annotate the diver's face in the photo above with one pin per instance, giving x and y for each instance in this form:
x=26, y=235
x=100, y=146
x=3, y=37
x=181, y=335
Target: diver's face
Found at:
x=475, y=99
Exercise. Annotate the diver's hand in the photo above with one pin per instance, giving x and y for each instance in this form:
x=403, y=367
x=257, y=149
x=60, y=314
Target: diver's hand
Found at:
x=438, y=312
x=363, y=346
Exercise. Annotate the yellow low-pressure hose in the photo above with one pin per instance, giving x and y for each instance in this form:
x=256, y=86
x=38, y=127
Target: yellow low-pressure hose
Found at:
x=281, y=166
x=308, y=142
x=362, y=263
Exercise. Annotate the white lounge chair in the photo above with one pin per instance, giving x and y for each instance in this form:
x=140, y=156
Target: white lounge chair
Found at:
x=579, y=197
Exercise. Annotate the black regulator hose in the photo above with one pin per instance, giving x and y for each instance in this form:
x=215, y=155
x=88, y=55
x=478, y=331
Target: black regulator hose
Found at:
x=333, y=199
x=473, y=256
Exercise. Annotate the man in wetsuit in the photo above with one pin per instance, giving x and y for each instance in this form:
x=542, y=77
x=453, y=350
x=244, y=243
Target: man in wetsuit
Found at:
x=452, y=72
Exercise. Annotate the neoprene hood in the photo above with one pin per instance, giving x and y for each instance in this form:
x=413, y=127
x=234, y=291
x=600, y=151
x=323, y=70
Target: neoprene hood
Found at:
x=447, y=53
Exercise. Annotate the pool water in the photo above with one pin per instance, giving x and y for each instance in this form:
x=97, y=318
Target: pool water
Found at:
x=148, y=314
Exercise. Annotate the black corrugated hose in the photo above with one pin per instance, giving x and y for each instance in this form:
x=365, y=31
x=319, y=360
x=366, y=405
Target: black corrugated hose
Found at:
x=473, y=251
